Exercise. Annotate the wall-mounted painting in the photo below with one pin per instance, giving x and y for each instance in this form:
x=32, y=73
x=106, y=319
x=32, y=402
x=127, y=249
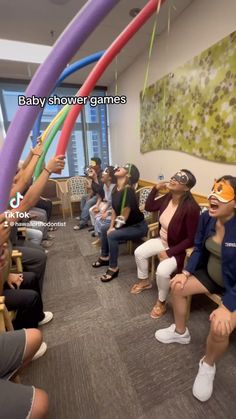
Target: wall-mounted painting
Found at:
x=193, y=110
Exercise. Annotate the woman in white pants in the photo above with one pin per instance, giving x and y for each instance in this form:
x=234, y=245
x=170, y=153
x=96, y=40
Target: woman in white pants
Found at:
x=178, y=220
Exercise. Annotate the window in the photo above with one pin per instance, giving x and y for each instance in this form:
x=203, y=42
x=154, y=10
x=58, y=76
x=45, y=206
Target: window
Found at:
x=90, y=134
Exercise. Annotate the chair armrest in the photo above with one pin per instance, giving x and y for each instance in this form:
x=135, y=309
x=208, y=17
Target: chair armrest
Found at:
x=16, y=254
x=66, y=187
x=152, y=228
x=22, y=230
x=17, y=258
x=60, y=188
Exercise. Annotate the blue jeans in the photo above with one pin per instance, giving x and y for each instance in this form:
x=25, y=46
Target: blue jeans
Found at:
x=85, y=205
x=110, y=242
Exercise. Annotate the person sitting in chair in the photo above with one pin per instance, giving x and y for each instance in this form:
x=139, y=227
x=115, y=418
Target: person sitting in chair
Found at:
x=210, y=269
x=178, y=219
x=127, y=221
x=94, y=172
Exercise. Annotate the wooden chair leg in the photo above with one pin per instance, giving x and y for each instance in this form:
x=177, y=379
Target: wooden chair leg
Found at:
x=129, y=247
x=153, y=268
x=71, y=210
x=19, y=265
x=5, y=321
x=63, y=211
x=2, y=323
x=17, y=259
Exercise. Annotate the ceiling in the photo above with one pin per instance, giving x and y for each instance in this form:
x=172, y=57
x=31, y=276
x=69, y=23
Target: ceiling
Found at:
x=41, y=22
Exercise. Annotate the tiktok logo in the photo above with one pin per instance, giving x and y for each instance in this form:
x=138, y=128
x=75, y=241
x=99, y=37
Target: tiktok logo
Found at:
x=15, y=202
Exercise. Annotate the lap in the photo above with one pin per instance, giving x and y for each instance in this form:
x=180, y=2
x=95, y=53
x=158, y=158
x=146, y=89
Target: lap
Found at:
x=19, y=299
x=192, y=287
x=168, y=265
x=205, y=279
x=31, y=253
x=15, y=400
x=128, y=233
x=12, y=348
x=150, y=247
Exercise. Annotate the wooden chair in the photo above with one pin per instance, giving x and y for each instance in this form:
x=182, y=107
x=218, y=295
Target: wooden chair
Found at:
x=142, y=194
x=5, y=318
x=76, y=187
x=6, y=325
x=54, y=192
x=16, y=257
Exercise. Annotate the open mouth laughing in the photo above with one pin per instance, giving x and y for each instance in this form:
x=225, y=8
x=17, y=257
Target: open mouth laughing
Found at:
x=214, y=204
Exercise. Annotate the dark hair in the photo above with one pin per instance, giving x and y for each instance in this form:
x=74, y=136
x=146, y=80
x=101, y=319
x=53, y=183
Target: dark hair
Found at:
x=97, y=160
x=231, y=180
x=134, y=173
x=188, y=197
x=192, y=180
x=111, y=173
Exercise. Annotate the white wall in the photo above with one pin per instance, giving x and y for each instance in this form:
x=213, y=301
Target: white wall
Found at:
x=202, y=24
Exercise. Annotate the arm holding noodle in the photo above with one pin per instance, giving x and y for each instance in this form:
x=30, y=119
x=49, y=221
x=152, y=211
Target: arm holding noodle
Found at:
x=4, y=254
x=33, y=194
x=24, y=176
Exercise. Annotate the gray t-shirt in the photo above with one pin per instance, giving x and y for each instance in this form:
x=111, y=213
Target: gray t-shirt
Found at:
x=214, y=268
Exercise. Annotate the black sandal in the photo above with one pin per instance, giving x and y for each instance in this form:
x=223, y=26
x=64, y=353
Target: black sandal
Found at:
x=100, y=262
x=109, y=275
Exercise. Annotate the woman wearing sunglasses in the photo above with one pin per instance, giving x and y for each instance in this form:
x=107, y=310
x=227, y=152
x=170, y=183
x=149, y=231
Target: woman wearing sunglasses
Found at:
x=211, y=268
x=127, y=221
x=100, y=214
x=178, y=220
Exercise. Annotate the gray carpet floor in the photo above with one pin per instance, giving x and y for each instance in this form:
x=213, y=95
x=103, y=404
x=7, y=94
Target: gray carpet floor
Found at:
x=103, y=361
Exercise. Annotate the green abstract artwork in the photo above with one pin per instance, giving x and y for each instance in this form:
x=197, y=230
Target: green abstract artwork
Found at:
x=193, y=110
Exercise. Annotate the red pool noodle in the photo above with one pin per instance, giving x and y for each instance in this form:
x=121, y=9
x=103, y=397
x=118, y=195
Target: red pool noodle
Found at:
x=100, y=67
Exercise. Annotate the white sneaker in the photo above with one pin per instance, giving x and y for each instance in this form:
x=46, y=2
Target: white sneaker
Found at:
x=76, y=228
x=169, y=335
x=203, y=384
x=40, y=352
x=48, y=316
x=77, y=218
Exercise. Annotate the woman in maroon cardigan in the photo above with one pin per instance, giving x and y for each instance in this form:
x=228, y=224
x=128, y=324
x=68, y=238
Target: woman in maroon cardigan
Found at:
x=178, y=220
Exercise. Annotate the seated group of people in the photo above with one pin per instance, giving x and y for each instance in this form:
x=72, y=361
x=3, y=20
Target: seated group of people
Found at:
x=23, y=291
x=116, y=217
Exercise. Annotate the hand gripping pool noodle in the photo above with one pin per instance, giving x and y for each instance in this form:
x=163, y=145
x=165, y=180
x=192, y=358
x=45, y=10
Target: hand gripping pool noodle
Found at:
x=42, y=84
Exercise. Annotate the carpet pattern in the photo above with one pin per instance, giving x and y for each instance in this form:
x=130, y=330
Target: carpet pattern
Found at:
x=103, y=361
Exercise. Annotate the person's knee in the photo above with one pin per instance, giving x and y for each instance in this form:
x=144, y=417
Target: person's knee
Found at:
x=113, y=236
x=162, y=271
x=176, y=290
x=40, y=405
x=104, y=229
x=216, y=336
x=138, y=254
x=32, y=299
x=29, y=277
x=34, y=340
